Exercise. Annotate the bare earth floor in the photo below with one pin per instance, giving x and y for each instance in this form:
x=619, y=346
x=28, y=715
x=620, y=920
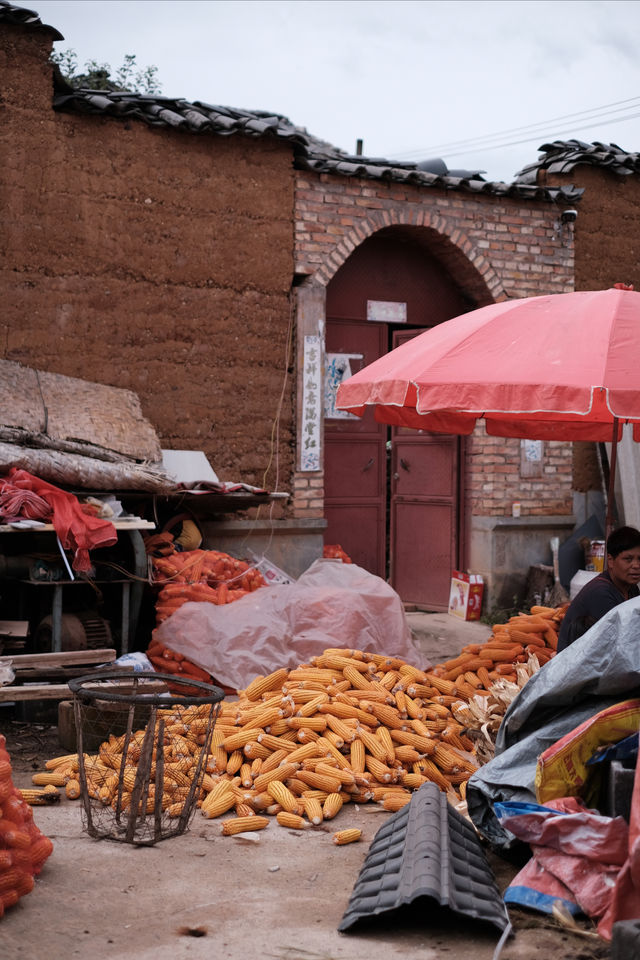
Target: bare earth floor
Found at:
x=202, y=895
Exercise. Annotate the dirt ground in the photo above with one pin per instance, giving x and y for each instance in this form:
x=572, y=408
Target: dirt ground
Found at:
x=202, y=895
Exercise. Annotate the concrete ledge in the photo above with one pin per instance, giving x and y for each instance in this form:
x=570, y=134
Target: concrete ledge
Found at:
x=503, y=549
x=292, y=545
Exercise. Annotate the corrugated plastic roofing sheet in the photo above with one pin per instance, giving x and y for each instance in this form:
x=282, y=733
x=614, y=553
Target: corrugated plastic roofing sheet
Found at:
x=425, y=854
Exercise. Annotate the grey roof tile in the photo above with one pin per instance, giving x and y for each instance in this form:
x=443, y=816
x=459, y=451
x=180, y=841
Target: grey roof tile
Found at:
x=20, y=16
x=426, y=850
x=310, y=153
x=562, y=156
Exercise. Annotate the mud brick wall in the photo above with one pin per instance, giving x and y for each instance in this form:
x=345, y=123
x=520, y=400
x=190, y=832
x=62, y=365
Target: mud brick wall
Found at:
x=150, y=259
x=607, y=251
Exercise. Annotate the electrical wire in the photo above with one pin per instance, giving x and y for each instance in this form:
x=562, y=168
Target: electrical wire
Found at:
x=477, y=143
x=274, y=444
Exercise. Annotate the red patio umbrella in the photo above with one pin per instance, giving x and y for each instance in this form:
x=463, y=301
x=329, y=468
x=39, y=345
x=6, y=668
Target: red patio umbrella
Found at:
x=558, y=367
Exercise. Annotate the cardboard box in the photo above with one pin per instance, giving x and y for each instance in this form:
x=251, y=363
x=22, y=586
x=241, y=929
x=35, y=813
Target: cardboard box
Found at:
x=465, y=596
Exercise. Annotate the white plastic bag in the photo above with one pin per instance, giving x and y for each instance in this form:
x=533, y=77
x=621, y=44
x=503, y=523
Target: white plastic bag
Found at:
x=7, y=675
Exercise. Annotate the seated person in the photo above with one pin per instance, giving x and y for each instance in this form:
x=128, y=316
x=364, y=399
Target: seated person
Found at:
x=619, y=582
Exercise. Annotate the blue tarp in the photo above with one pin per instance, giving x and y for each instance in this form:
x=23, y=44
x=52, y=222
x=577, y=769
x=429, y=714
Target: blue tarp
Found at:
x=598, y=670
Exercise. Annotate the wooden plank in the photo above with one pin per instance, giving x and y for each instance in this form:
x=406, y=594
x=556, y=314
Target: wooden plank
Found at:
x=134, y=523
x=61, y=691
x=66, y=658
x=36, y=691
x=14, y=628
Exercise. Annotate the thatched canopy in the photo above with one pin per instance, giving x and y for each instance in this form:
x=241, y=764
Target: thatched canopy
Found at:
x=67, y=410
x=75, y=432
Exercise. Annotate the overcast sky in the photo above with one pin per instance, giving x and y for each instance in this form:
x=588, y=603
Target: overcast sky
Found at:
x=413, y=79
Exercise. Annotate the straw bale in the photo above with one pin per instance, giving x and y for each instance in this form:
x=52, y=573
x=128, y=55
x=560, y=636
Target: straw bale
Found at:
x=70, y=410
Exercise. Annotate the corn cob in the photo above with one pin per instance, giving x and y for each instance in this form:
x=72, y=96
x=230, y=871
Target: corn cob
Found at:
x=63, y=761
x=331, y=806
x=387, y=715
x=347, y=836
x=254, y=750
x=219, y=804
x=427, y=768
x=52, y=778
x=383, y=735
x=373, y=745
x=236, y=741
x=357, y=756
x=303, y=752
x=346, y=777
x=313, y=809
x=40, y=797
x=243, y=824
x=310, y=707
x=72, y=789
x=319, y=724
x=273, y=681
x=276, y=743
x=282, y=772
x=320, y=781
x=422, y=744
x=396, y=801
x=292, y=820
x=329, y=750
x=380, y=771
x=412, y=780
x=282, y=795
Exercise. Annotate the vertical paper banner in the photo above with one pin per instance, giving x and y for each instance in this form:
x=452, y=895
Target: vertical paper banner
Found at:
x=311, y=404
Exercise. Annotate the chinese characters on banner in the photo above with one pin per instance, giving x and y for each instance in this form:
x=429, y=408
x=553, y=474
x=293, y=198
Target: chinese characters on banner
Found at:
x=311, y=404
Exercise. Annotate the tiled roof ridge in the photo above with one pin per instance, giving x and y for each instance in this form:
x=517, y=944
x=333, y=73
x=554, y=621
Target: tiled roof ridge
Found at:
x=310, y=153
x=21, y=16
x=562, y=156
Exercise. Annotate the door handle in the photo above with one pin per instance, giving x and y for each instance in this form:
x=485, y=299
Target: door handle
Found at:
x=368, y=465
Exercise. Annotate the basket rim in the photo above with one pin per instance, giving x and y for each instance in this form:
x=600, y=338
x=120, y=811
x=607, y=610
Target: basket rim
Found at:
x=212, y=694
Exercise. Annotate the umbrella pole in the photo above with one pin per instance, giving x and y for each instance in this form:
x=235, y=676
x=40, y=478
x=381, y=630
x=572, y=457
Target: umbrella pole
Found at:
x=612, y=481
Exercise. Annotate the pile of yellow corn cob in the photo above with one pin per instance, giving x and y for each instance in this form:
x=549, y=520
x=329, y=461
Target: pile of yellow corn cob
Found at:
x=298, y=744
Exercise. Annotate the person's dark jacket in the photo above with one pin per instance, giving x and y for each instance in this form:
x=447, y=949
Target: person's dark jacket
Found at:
x=596, y=598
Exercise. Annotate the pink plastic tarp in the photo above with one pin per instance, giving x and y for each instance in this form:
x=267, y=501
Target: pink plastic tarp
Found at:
x=333, y=604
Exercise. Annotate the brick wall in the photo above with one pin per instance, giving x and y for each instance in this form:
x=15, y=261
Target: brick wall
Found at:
x=494, y=248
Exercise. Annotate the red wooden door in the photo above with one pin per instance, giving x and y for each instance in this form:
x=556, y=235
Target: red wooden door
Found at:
x=402, y=528
x=355, y=458
x=424, y=512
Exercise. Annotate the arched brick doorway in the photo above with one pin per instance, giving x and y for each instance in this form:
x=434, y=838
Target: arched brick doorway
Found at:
x=392, y=497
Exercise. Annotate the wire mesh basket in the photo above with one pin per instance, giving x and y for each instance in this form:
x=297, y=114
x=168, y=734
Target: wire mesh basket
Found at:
x=142, y=752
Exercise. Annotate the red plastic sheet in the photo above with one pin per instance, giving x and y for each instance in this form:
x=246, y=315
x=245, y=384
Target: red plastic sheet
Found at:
x=588, y=861
x=77, y=530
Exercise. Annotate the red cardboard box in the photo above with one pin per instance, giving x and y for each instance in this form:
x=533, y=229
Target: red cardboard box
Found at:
x=465, y=596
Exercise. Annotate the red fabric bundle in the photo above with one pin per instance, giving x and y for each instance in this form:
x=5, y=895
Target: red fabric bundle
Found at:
x=16, y=503
x=77, y=530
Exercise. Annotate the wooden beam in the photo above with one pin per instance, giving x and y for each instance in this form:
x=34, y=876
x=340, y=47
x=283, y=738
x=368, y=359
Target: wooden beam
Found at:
x=66, y=658
x=35, y=691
